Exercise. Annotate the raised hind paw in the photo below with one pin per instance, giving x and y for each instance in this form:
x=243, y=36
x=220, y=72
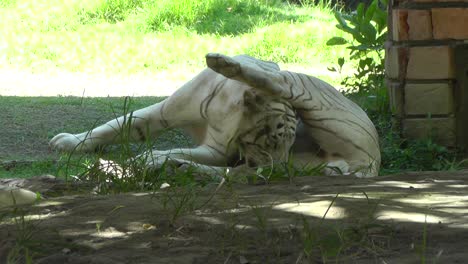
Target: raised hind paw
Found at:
x=223, y=64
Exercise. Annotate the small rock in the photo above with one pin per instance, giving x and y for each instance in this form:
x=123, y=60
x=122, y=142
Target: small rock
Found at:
x=16, y=196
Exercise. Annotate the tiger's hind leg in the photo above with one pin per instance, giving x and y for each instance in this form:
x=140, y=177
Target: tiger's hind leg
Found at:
x=269, y=81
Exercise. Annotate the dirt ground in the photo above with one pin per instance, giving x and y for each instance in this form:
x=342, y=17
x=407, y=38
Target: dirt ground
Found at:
x=405, y=218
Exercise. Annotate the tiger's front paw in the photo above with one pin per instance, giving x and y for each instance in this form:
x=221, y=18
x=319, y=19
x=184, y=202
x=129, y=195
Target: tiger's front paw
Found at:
x=223, y=64
x=66, y=142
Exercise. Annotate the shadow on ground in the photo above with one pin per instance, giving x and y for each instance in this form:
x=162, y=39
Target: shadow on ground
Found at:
x=405, y=218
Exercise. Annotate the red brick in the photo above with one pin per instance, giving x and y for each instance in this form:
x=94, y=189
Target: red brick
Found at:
x=420, y=25
x=433, y=62
x=450, y=23
x=411, y=24
x=429, y=98
x=400, y=25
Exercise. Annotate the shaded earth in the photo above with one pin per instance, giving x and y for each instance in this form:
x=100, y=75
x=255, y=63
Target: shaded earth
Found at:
x=405, y=218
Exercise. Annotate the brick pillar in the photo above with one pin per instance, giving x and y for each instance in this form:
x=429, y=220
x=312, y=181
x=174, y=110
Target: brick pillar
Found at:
x=427, y=69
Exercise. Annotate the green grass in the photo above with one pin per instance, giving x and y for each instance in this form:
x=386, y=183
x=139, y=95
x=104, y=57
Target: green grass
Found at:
x=397, y=153
x=33, y=121
x=135, y=36
x=145, y=36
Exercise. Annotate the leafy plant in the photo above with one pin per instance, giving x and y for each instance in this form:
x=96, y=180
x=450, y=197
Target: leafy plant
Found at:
x=179, y=201
x=25, y=244
x=368, y=30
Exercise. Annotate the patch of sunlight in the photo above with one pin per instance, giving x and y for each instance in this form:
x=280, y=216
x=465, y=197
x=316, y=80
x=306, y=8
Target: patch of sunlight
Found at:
x=243, y=227
x=178, y=238
x=358, y=195
x=75, y=232
x=459, y=225
x=402, y=184
x=40, y=216
x=457, y=186
x=94, y=222
x=140, y=194
x=235, y=211
x=433, y=199
x=32, y=217
x=316, y=209
x=451, y=210
x=138, y=227
x=409, y=217
x=45, y=203
x=143, y=245
x=110, y=232
x=210, y=220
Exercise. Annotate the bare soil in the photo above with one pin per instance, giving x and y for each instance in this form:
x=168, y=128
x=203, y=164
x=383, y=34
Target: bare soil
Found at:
x=405, y=218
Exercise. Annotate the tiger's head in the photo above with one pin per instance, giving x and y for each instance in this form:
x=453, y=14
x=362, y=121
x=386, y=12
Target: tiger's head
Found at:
x=268, y=129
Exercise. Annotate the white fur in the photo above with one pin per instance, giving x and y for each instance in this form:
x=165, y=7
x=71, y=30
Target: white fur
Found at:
x=335, y=131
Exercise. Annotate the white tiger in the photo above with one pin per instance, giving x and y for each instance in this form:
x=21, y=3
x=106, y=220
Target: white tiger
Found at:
x=242, y=106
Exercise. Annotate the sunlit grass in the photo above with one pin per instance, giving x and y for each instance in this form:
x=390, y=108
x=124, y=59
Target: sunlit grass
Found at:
x=121, y=37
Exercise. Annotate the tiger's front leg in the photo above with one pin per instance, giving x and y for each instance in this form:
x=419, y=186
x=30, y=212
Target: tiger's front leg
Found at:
x=137, y=126
x=203, y=154
x=179, y=110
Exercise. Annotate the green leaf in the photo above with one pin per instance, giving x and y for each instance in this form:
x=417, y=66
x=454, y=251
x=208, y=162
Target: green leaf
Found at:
x=370, y=11
x=354, y=32
x=362, y=47
x=381, y=39
x=336, y=41
x=341, y=61
x=360, y=38
x=369, y=32
x=351, y=18
x=360, y=11
x=380, y=18
x=340, y=19
x=384, y=2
